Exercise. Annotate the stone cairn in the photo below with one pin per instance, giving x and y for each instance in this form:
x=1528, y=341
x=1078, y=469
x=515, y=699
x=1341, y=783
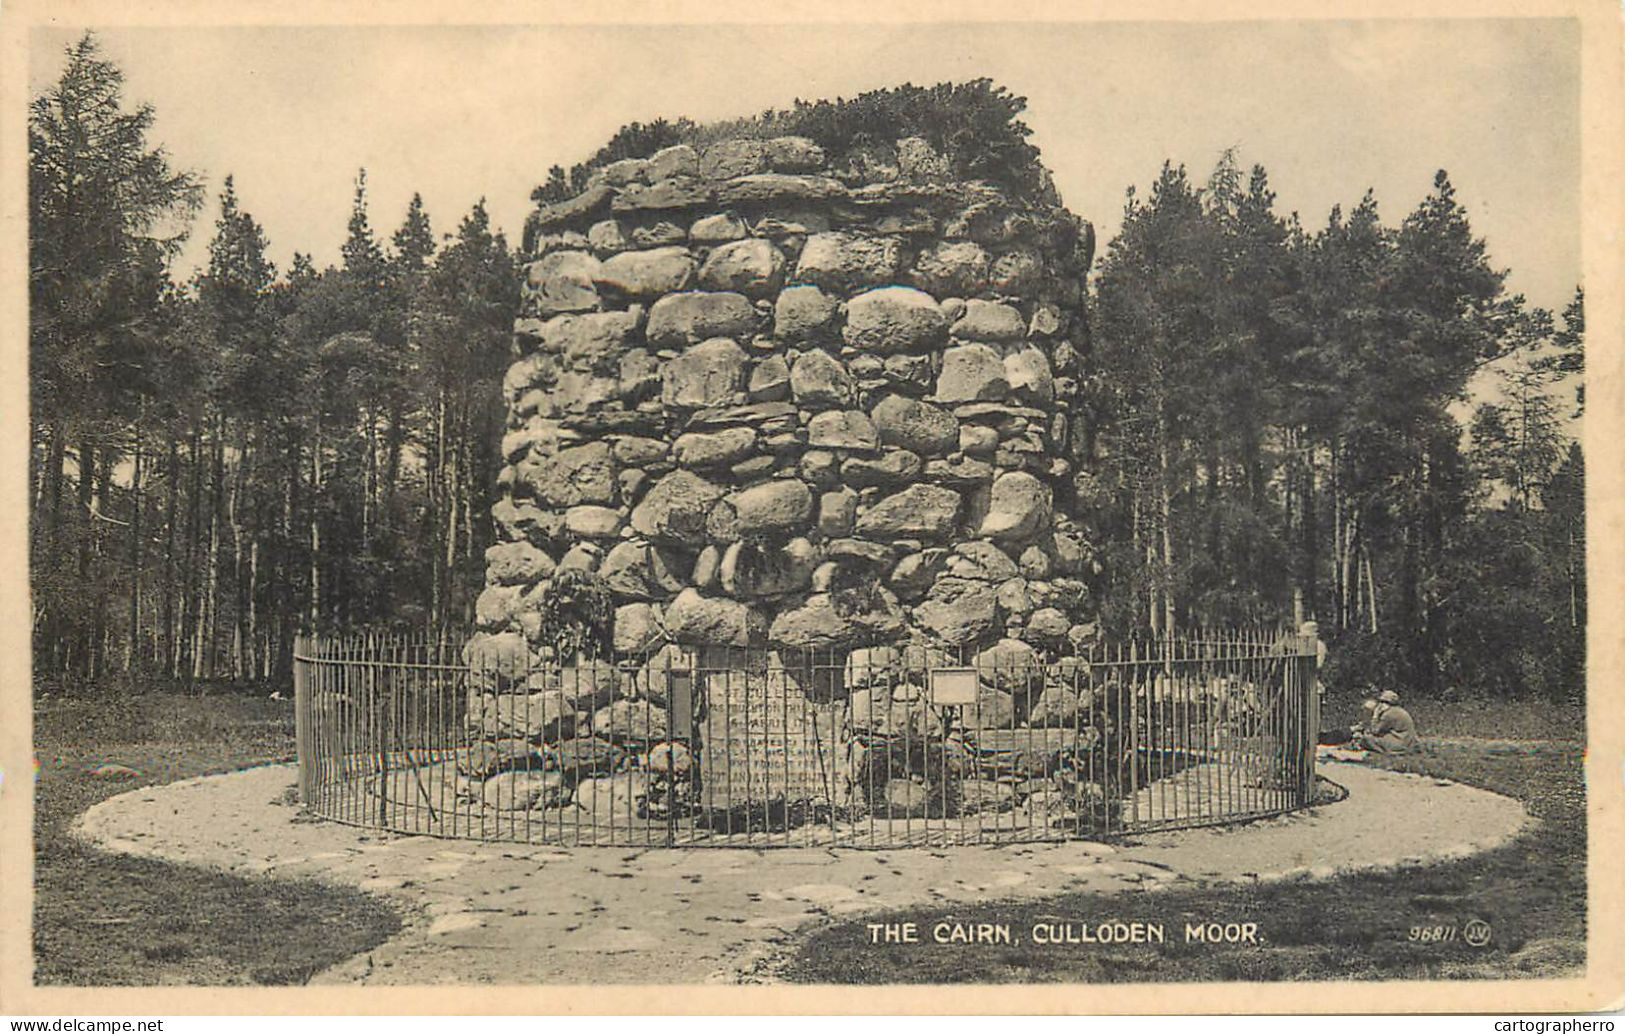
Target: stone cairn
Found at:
x=786, y=407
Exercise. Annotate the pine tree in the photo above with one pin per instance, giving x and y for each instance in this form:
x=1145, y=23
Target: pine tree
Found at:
x=106, y=212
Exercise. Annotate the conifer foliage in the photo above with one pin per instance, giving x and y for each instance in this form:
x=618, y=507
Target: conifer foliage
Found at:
x=1354, y=415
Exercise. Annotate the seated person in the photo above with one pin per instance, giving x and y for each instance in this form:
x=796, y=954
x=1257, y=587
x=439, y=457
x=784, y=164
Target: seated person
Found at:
x=1346, y=735
x=1392, y=730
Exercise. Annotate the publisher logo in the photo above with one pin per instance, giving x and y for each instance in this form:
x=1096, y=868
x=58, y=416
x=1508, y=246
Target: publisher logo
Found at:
x=1477, y=933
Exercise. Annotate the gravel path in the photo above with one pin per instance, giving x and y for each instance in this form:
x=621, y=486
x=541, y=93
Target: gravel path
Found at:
x=505, y=913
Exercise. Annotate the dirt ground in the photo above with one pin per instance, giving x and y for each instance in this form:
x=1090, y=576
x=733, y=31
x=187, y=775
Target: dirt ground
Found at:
x=504, y=913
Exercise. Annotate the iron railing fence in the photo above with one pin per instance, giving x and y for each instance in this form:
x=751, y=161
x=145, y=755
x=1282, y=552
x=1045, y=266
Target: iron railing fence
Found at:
x=877, y=747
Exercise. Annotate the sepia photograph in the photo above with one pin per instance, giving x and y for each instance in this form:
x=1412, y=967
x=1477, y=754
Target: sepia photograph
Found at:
x=748, y=506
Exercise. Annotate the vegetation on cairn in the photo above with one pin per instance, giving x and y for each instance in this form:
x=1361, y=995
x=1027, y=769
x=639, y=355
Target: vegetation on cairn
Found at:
x=577, y=614
x=975, y=125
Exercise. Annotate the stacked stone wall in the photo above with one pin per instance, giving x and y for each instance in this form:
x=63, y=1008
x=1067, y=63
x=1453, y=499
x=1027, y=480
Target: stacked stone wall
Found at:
x=779, y=405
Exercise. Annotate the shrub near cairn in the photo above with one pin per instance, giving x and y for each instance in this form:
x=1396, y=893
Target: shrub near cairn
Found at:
x=766, y=399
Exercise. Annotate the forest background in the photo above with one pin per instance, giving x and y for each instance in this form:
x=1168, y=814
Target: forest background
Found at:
x=1276, y=409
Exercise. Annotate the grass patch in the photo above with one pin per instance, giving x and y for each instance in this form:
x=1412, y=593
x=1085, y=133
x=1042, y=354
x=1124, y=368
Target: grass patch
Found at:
x=112, y=920
x=1532, y=892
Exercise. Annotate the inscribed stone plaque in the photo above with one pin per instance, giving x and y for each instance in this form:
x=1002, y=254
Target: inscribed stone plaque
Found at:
x=762, y=740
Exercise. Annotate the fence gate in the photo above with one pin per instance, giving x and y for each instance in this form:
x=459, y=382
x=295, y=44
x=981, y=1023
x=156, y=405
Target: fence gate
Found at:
x=877, y=747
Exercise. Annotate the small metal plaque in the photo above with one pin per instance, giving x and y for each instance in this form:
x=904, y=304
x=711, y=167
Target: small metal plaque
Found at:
x=953, y=686
x=680, y=690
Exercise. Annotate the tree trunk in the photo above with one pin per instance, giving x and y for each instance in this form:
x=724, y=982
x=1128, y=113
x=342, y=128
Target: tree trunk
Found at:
x=168, y=660
x=1370, y=586
x=239, y=644
x=437, y=503
x=97, y=657
x=1308, y=515
x=393, y=443
x=87, y=470
x=1166, y=511
x=208, y=608
x=137, y=459
x=315, y=531
x=53, y=484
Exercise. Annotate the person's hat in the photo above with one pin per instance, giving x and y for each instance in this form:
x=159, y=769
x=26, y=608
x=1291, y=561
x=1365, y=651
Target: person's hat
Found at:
x=1388, y=696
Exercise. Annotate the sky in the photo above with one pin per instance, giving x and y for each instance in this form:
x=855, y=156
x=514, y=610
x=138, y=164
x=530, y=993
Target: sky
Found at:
x=1330, y=108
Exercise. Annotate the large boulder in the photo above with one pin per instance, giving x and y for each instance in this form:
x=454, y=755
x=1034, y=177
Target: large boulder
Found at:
x=891, y=320
x=713, y=621
x=714, y=448
x=1017, y=271
x=630, y=722
x=676, y=160
x=839, y=260
x=690, y=317
x=917, y=512
x=821, y=622
x=903, y=799
x=751, y=569
x=1056, y=706
x=915, y=573
x=586, y=756
x=608, y=237
x=718, y=229
x=753, y=267
x=994, y=709
x=769, y=380
x=637, y=628
x=1010, y=665
x=586, y=685
x=804, y=313
x=705, y=375
x=646, y=275
x=914, y=425
x=842, y=429
x=989, y=321
x=985, y=796
x=726, y=159
x=639, y=375
x=562, y=282
x=890, y=468
x=1018, y=509
x=523, y=791
x=1048, y=625
x=521, y=520
x=590, y=339
x=774, y=508
x=983, y=562
x=496, y=606
x=516, y=563
x=959, y=612
x=1031, y=381
x=836, y=512
x=570, y=477
x=952, y=269
x=505, y=656
x=488, y=757
x=636, y=570
x=793, y=154
x=674, y=511
x=653, y=680
x=972, y=373
x=593, y=522
x=621, y=797
x=820, y=381
x=545, y=716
